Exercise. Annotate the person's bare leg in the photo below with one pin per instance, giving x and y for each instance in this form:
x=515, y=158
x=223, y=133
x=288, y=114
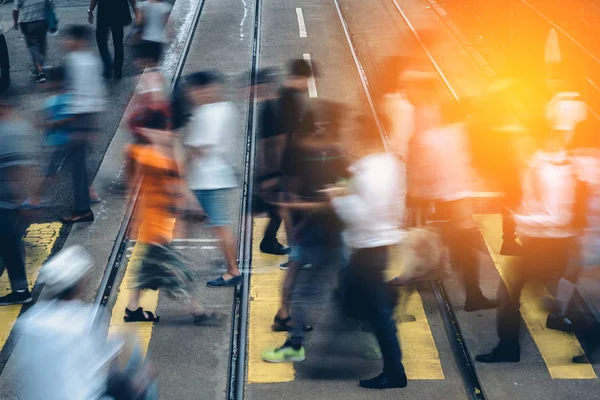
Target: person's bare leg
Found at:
x=225, y=235
x=287, y=287
x=134, y=300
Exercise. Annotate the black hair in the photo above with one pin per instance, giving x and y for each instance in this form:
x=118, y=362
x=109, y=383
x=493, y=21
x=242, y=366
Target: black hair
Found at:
x=79, y=32
x=202, y=79
x=301, y=68
x=148, y=51
x=56, y=74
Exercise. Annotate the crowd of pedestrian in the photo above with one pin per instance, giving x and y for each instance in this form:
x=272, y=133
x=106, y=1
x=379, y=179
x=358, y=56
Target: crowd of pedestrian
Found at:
x=345, y=201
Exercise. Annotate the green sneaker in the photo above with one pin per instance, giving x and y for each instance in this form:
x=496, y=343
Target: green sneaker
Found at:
x=285, y=353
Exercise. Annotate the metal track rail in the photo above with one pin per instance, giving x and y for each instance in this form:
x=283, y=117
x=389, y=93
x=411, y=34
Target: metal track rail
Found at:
x=463, y=359
x=239, y=331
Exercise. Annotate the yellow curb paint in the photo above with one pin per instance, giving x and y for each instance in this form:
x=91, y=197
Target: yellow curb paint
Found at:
x=40, y=239
x=557, y=348
x=265, y=295
x=148, y=301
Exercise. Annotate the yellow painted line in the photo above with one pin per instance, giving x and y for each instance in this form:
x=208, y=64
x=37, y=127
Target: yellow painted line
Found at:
x=40, y=239
x=148, y=301
x=265, y=298
x=420, y=354
x=557, y=348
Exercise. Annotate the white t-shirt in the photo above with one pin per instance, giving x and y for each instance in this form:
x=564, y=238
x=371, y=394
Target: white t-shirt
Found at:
x=84, y=76
x=211, y=130
x=155, y=18
x=375, y=210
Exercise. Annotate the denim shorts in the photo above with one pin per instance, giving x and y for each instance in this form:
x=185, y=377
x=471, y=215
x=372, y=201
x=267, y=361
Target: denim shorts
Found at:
x=214, y=203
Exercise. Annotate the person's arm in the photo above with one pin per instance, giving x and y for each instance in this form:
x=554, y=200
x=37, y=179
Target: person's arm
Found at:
x=93, y=4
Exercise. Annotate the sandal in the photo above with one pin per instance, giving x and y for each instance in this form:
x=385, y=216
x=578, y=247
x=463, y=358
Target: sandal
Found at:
x=286, y=324
x=139, y=316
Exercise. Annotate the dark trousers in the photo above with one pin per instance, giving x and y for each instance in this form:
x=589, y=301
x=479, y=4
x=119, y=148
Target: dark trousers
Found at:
x=543, y=260
x=117, y=31
x=4, y=64
x=12, y=249
x=270, y=234
x=81, y=193
x=36, y=40
x=367, y=267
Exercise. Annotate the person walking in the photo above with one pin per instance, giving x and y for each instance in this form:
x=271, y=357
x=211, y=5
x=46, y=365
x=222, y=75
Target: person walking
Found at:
x=15, y=165
x=372, y=213
x=151, y=18
x=4, y=63
x=210, y=174
x=87, y=101
x=32, y=17
x=113, y=16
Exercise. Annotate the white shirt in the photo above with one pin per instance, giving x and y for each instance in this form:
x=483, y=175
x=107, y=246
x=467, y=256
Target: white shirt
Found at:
x=374, y=212
x=57, y=356
x=549, y=186
x=155, y=18
x=84, y=74
x=211, y=131
x=444, y=169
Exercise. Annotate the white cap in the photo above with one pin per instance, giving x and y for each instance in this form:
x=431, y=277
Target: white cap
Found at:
x=65, y=270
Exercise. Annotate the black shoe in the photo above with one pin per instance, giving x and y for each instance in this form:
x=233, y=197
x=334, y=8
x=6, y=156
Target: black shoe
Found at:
x=23, y=297
x=559, y=323
x=118, y=74
x=480, y=302
x=79, y=217
x=108, y=72
x=511, y=248
x=41, y=78
x=581, y=359
x=501, y=353
x=274, y=248
x=384, y=382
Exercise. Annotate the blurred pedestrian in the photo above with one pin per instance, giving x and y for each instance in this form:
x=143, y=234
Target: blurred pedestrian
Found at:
x=548, y=223
x=158, y=266
x=371, y=207
x=32, y=17
x=210, y=174
x=4, y=63
x=15, y=170
x=87, y=101
x=113, y=16
x=317, y=163
x=61, y=355
x=151, y=18
x=297, y=117
x=270, y=150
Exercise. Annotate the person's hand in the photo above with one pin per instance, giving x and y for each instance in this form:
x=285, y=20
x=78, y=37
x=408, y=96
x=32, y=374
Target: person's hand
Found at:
x=91, y=17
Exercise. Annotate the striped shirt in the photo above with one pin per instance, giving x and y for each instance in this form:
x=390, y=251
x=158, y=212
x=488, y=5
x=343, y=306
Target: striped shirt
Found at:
x=32, y=10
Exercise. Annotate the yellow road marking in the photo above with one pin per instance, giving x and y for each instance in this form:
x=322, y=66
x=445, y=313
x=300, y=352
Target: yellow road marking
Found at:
x=265, y=297
x=557, y=348
x=421, y=357
x=40, y=239
x=419, y=352
x=148, y=301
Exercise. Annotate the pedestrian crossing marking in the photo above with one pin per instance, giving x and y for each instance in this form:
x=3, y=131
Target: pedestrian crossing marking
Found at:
x=420, y=354
x=39, y=242
x=557, y=348
x=265, y=295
